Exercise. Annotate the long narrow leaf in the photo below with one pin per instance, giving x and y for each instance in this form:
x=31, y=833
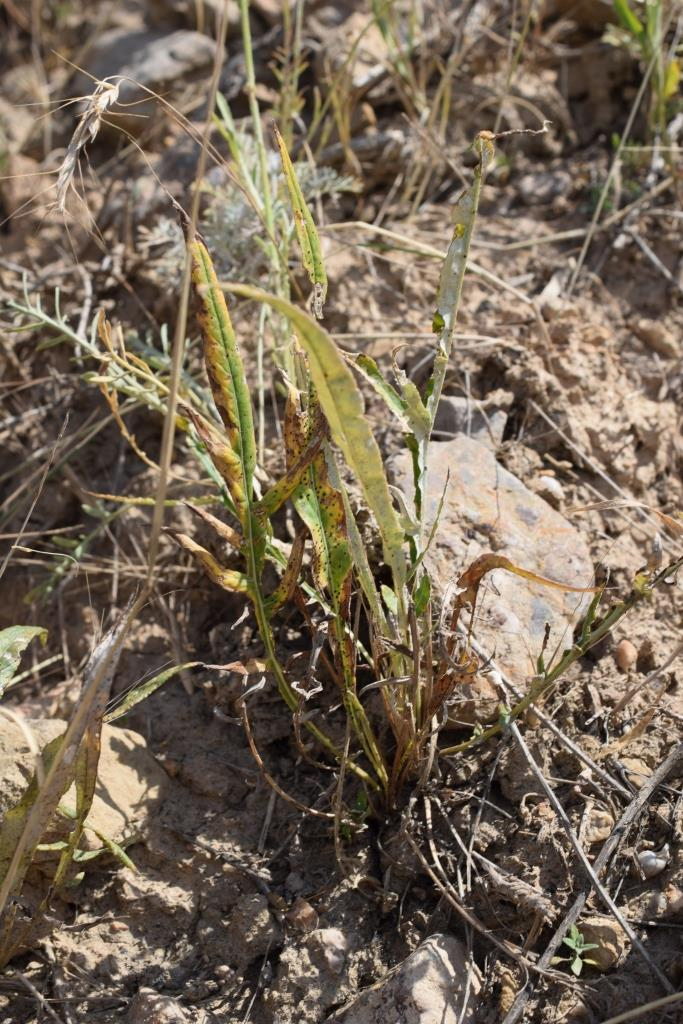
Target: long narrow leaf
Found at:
x=225, y=460
x=629, y=20
x=224, y=365
x=146, y=689
x=453, y=270
x=279, y=492
x=321, y=508
x=228, y=579
x=359, y=554
x=344, y=409
x=289, y=579
x=34, y=814
x=447, y=304
x=372, y=373
x=306, y=232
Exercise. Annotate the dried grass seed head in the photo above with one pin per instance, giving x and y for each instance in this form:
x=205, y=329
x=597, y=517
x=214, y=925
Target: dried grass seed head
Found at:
x=105, y=95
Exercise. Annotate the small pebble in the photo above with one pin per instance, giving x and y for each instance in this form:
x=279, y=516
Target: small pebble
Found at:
x=331, y=946
x=655, y=335
x=600, y=825
x=550, y=489
x=653, y=862
x=637, y=771
x=302, y=916
x=625, y=655
x=150, y=1007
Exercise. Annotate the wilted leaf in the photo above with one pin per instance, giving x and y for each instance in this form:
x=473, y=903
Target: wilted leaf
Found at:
x=13, y=641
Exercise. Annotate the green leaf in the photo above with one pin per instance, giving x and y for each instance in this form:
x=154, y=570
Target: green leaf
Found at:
x=629, y=20
x=372, y=373
x=653, y=24
x=389, y=599
x=422, y=594
x=306, y=232
x=226, y=373
x=289, y=579
x=145, y=690
x=453, y=270
x=359, y=555
x=321, y=507
x=416, y=411
x=13, y=641
x=279, y=492
x=444, y=320
x=576, y=966
x=344, y=409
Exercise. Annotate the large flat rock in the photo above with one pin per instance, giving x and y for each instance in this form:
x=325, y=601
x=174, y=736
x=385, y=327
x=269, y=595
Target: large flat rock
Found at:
x=486, y=508
x=129, y=781
x=435, y=984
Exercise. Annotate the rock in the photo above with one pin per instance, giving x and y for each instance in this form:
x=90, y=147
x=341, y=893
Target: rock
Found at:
x=356, y=43
x=16, y=126
x=654, y=334
x=302, y=916
x=517, y=782
x=160, y=61
x=485, y=421
x=149, y=1007
x=312, y=976
x=331, y=946
x=592, y=14
x=252, y=930
x=486, y=508
x=610, y=938
x=22, y=185
x=543, y=187
x=271, y=10
x=673, y=895
x=129, y=782
x=638, y=771
x=625, y=654
x=476, y=700
x=550, y=489
x=647, y=656
x=552, y=301
x=600, y=825
x=653, y=862
x=431, y=985
x=203, y=17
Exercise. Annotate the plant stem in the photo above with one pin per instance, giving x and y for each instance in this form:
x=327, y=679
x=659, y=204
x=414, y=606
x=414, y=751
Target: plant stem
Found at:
x=541, y=686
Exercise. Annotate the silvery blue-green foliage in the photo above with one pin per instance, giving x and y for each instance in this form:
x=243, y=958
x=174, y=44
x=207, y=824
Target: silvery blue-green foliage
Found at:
x=231, y=226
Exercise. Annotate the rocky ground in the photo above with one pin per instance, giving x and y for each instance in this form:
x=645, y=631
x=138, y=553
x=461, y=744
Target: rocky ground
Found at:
x=561, y=394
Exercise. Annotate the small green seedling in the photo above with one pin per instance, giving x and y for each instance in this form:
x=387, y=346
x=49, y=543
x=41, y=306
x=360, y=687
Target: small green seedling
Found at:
x=642, y=31
x=579, y=948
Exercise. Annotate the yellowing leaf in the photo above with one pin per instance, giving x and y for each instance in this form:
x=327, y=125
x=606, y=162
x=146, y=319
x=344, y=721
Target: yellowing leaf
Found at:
x=306, y=232
x=672, y=78
x=224, y=368
x=344, y=409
